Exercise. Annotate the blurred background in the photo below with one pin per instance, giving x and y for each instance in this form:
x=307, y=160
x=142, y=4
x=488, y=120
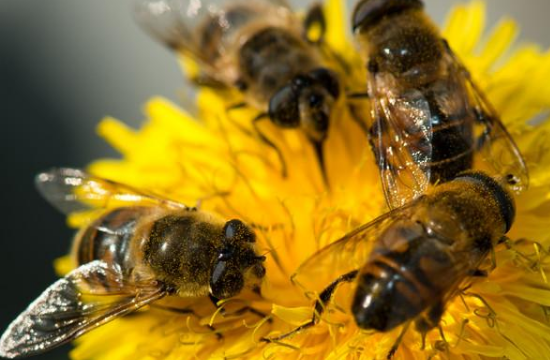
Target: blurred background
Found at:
x=63, y=66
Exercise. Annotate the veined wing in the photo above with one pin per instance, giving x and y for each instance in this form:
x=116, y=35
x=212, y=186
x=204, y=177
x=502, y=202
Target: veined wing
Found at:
x=402, y=139
x=88, y=297
x=348, y=253
x=208, y=31
x=73, y=190
x=495, y=147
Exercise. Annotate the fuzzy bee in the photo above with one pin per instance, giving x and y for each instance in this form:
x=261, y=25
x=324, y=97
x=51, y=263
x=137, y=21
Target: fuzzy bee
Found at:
x=260, y=48
x=145, y=249
x=429, y=120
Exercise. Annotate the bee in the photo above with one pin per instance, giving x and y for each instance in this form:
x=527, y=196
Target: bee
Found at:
x=259, y=48
x=430, y=121
x=409, y=263
x=130, y=256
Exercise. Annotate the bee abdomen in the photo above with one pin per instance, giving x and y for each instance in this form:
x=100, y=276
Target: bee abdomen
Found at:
x=397, y=286
x=384, y=298
x=450, y=149
x=109, y=238
x=452, y=144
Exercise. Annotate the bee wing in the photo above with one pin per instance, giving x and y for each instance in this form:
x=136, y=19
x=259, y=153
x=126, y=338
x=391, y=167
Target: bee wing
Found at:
x=73, y=190
x=402, y=140
x=346, y=254
x=87, y=297
x=171, y=22
x=202, y=29
x=496, y=147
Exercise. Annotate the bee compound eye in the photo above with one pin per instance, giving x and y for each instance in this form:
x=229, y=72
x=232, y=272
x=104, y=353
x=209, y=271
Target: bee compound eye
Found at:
x=328, y=80
x=236, y=230
x=283, y=107
x=226, y=281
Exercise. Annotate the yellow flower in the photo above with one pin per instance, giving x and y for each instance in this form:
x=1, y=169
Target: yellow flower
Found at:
x=219, y=162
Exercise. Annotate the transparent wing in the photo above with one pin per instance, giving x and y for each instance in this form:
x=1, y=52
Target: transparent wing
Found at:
x=348, y=253
x=172, y=23
x=402, y=139
x=207, y=31
x=73, y=190
x=89, y=296
x=495, y=148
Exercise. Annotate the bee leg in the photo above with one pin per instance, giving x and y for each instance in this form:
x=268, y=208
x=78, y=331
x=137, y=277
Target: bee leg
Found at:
x=318, y=148
x=268, y=142
x=234, y=107
x=443, y=345
x=429, y=320
x=397, y=342
x=177, y=310
x=319, y=307
x=251, y=310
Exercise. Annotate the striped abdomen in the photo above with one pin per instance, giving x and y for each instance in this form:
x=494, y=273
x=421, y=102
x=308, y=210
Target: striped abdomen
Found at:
x=452, y=121
x=446, y=147
x=396, y=286
x=110, y=238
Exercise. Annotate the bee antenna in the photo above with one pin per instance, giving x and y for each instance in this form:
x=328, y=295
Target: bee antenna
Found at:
x=267, y=252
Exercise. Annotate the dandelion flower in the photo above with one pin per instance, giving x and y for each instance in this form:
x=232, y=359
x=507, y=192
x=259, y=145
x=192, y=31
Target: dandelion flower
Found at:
x=220, y=162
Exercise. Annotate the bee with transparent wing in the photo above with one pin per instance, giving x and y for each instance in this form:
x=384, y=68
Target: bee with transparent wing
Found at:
x=260, y=48
x=139, y=249
x=430, y=121
x=408, y=264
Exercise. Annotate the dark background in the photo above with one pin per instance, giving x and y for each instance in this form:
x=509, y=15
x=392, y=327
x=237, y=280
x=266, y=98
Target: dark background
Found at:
x=63, y=66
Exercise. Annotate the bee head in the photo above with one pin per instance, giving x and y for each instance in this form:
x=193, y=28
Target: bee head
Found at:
x=368, y=13
x=237, y=263
x=306, y=102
